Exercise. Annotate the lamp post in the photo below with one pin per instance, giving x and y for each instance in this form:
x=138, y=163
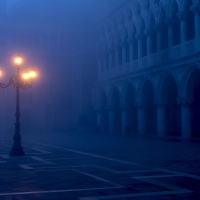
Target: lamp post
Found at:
x=19, y=81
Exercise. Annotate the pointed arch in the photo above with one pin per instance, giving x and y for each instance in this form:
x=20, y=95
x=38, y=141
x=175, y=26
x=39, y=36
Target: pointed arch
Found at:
x=115, y=98
x=146, y=99
x=142, y=25
x=176, y=23
x=124, y=35
x=110, y=41
x=114, y=23
x=151, y=22
x=115, y=114
x=141, y=85
x=103, y=98
x=168, y=93
x=191, y=88
x=108, y=28
x=130, y=110
x=161, y=83
x=113, y=88
x=124, y=90
x=128, y=16
x=131, y=30
x=189, y=79
x=162, y=15
x=172, y=8
x=137, y=9
x=190, y=21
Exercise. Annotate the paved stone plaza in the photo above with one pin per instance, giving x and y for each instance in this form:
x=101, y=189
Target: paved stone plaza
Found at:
x=87, y=166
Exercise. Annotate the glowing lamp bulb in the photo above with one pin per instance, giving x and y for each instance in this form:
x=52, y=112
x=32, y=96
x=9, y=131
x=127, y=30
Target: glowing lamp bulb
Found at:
x=32, y=74
x=18, y=60
x=25, y=76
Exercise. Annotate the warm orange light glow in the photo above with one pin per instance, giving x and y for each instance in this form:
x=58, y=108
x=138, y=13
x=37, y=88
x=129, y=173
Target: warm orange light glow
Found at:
x=32, y=74
x=0, y=73
x=18, y=60
x=25, y=76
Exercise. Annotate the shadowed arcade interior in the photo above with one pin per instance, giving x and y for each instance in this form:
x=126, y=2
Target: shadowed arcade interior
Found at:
x=195, y=111
x=115, y=113
x=173, y=113
x=149, y=107
x=104, y=113
x=131, y=127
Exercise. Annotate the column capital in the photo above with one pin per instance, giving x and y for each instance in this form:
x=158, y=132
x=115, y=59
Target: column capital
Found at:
x=99, y=56
x=104, y=54
x=184, y=101
x=130, y=40
x=110, y=50
x=148, y=32
x=123, y=44
x=195, y=8
x=181, y=15
x=139, y=36
x=98, y=109
x=169, y=21
x=124, y=107
x=158, y=26
x=116, y=47
x=160, y=103
x=140, y=105
x=110, y=108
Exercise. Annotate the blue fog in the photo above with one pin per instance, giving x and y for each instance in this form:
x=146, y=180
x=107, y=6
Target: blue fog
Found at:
x=57, y=37
x=101, y=69
x=115, y=100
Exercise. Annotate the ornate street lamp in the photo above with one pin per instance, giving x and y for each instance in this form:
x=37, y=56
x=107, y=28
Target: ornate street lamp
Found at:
x=24, y=81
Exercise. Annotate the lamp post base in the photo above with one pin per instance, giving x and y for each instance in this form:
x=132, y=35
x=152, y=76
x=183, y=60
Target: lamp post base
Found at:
x=17, y=152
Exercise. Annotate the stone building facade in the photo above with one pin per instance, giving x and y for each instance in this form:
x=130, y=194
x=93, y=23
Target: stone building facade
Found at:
x=149, y=68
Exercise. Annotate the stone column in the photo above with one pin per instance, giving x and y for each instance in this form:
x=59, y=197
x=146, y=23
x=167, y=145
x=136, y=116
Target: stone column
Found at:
x=99, y=120
x=116, y=56
x=110, y=59
x=124, y=119
x=131, y=49
x=139, y=38
x=104, y=62
x=161, y=118
x=123, y=54
x=100, y=67
x=159, y=42
x=149, y=46
x=169, y=22
x=185, y=117
x=182, y=16
x=111, y=120
x=196, y=9
x=141, y=119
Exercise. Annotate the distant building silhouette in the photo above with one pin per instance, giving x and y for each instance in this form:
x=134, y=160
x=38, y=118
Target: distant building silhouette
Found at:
x=48, y=39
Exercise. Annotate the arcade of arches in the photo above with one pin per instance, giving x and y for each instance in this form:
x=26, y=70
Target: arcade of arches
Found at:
x=166, y=106
x=148, y=69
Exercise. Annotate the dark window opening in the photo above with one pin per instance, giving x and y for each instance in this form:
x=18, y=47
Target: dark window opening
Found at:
x=154, y=42
x=144, y=46
x=164, y=36
x=190, y=26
